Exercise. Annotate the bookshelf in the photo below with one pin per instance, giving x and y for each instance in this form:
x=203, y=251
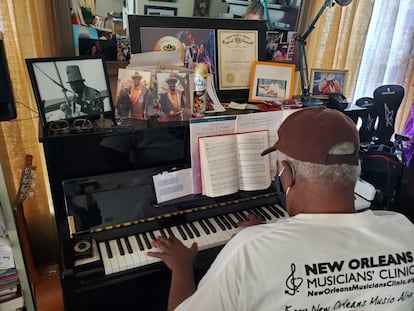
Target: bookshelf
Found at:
x=12, y=234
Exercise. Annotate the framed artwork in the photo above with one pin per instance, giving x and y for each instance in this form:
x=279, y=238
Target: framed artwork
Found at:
x=201, y=8
x=271, y=81
x=325, y=81
x=70, y=89
x=159, y=10
x=207, y=40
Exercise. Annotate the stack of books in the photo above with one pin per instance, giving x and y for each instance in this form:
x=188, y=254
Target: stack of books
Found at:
x=10, y=295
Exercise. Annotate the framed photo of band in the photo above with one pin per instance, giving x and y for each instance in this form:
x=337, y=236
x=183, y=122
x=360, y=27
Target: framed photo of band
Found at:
x=271, y=81
x=326, y=81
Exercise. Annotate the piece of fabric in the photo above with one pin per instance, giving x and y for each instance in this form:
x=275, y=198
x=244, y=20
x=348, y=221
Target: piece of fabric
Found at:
x=361, y=261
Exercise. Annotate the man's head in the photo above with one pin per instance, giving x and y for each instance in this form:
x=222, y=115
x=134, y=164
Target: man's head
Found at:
x=318, y=150
x=254, y=11
x=136, y=77
x=75, y=78
x=171, y=81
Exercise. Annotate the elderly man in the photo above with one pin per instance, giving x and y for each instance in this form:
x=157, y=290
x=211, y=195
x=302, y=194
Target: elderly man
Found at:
x=326, y=256
x=139, y=97
x=86, y=100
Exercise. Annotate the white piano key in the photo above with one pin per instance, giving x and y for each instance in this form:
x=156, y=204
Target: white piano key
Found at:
x=105, y=259
x=138, y=258
x=116, y=263
x=128, y=258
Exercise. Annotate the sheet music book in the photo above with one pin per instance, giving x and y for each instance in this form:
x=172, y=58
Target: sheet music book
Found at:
x=230, y=163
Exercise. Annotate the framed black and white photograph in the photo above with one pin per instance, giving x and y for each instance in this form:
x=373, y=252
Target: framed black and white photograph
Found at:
x=271, y=81
x=160, y=10
x=201, y=8
x=70, y=88
x=326, y=81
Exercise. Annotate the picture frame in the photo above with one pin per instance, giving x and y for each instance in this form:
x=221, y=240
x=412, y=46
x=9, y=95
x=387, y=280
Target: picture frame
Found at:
x=160, y=10
x=271, y=81
x=146, y=30
x=54, y=82
x=327, y=81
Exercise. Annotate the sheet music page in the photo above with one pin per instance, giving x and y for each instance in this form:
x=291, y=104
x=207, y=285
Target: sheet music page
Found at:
x=205, y=127
x=218, y=160
x=269, y=120
x=254, y=170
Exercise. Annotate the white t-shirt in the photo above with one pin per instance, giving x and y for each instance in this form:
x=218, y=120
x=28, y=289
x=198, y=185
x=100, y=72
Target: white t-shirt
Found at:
x=362, y=261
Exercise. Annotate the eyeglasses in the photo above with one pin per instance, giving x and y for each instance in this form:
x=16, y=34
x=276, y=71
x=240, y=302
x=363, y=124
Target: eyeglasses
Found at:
x=64, y=127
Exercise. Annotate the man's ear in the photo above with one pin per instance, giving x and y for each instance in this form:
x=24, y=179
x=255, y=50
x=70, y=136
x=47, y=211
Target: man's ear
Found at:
x=288, y=177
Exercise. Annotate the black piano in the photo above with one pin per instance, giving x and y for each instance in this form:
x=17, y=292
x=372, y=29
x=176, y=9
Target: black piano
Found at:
x=107, y=214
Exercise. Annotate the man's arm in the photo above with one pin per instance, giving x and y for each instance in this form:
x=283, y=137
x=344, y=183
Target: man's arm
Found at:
x=180, y=260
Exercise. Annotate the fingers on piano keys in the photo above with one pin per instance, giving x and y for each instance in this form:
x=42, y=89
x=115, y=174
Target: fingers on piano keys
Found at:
x=130, y=252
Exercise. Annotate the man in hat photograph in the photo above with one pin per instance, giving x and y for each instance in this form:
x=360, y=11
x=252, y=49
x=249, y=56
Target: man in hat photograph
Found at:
x=86, y=100
x=173, y=101
x=328, y=84
x=139, y=97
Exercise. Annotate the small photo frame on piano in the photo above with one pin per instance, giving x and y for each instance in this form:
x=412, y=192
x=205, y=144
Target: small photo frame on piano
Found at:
x=70, y=88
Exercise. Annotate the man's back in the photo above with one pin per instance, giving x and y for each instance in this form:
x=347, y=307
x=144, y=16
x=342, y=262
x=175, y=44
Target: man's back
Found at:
x=314, y=262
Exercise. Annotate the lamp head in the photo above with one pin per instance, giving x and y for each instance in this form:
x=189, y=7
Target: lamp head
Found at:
x=343, y=2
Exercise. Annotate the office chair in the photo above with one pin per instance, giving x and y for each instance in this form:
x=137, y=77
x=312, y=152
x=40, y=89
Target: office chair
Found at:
x=382, y=160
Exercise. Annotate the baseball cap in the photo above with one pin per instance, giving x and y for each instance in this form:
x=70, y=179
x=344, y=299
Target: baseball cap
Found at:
x=308, y=135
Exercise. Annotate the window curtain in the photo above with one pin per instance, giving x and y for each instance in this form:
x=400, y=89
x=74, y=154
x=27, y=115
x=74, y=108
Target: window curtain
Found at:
x=388, y=56
x=27, y=34
x=373, y=40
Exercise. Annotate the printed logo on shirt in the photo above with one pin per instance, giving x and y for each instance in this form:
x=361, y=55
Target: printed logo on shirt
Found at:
x=357, y=274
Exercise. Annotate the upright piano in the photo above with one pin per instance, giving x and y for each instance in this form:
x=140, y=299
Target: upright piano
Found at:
x=106, y=213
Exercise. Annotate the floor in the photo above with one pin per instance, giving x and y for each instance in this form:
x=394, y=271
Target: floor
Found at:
x=48, y=289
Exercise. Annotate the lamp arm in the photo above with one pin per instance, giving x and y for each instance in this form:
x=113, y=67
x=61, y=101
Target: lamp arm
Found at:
x=303, y=61
x=314, y=21
x=266, y=14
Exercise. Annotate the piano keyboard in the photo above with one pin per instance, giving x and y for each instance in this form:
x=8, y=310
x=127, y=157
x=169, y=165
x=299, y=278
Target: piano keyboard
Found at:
x=129, y=252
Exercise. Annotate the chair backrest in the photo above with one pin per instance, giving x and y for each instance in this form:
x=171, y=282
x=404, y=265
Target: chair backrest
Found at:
x=365, y=117
x=387, y=99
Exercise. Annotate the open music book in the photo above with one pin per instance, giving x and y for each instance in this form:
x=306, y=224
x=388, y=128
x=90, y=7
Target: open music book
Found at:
x=232, y=162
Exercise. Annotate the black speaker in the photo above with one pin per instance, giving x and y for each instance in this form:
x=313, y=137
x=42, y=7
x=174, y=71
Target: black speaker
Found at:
x=7, y=107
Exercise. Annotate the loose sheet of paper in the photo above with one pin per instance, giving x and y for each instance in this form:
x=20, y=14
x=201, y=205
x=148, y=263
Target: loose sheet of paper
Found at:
x=172, y=185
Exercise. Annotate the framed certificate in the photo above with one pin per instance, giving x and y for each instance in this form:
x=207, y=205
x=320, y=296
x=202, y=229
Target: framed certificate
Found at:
x=237, y=50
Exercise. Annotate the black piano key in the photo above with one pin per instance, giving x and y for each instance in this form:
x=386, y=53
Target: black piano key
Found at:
x=242, y=214
x=196, y=232
x=279, y=213
x=272, y=211
x=231, y=221
x=258, y=212
x=140, y=245
x=146, y=240
x=264, y=213
x=219, y=223
x=238, y=216
x=128, y=245
x=204, y=227
x=188, y=231
x=163, y=233
x=108, y=249
x=152, y=235
x=224, y=221
x=183, y=236
x=120, y=247
x=170, y=233
x=210, y=225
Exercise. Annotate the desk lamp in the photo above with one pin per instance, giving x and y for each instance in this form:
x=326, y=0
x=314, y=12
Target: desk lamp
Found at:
x=303, y=62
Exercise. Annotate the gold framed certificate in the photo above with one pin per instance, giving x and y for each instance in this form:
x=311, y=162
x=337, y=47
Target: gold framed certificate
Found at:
x=237, y=50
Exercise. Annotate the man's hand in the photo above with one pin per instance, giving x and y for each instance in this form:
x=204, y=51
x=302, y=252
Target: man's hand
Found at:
x=251, y=220
x=174, y=253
